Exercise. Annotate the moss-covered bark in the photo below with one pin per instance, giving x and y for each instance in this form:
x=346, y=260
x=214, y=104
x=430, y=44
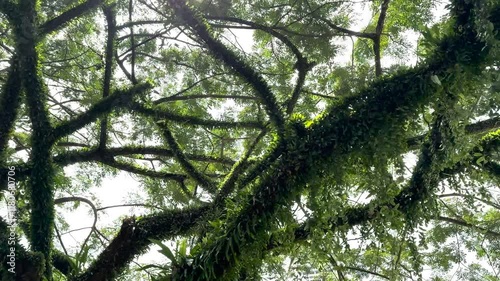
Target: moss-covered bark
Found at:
x=41, y=179
x=381, y=110
x=10, y=100
x=133, y=239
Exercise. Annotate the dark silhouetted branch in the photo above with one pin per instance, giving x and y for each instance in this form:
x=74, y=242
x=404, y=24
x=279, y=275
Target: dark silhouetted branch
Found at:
x=71, y=14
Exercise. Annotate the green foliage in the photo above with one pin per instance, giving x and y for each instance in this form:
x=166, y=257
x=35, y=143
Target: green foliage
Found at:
x=260, y=151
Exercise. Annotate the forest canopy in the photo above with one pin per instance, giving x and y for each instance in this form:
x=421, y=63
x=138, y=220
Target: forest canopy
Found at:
x=268, y=139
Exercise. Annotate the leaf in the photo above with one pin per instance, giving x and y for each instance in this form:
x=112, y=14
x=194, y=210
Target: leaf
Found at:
x=165, y=250
x=480, y=160
x=81, y=258
x=183, y=248
x=436, y=80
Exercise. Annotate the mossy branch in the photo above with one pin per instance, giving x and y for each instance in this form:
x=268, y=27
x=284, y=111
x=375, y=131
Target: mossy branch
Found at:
x=119, y=99
x=40, y=183
x=161, y=114
x=108, y=69
x=231, y=179
x=135, y=169
x=334, y=135
x=28, y=266
x=202, y=180
x=133, y=239
x=405, y=200
x=302, y=65
x=71, y=14
x=10, y=10
x=470, y=129
x=10, y=100
x=95, y=154
x=224, y=54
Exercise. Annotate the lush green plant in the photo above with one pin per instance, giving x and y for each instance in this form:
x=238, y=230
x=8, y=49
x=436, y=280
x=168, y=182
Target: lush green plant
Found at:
x=273, y=162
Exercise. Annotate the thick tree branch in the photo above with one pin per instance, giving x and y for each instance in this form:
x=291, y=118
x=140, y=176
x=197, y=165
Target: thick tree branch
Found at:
x=71, y=144
x=358, y=215
x=85, y=155
x=133, y=239
x=40, y=182
x=400, y=96
x=132, y=39
x=94, y=154
x=119, y=99
x=71, y=14
x=221, y=52
x=26, y=266
x=108, y=69
x=202, y=180
x=424, y=180
x=10, y=100
x=160, y=114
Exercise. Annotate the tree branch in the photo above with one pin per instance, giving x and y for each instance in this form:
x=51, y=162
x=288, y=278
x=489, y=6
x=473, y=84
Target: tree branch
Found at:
x=132, y=39
x=269, y=30
x=365, y=271
x=28, y=266
x=461, y=222
x=230, y=181
x=487, y=202
x=204, y=181
x=397, y=97
x=376, y=40
x=119, y=99
x=40, y=182
x=347, y=31
x=133, y=239
x=140, y=170
x=191, y=120
x=71, y=14
x=94, y=210
x=108, y=69
x=220, y=51
x=474, y=128
x=190, y=97
x=94, y=154
x=10, y=101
